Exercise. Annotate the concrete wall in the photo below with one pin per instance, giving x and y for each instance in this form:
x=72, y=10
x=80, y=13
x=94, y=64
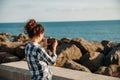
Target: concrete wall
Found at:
x=19, y=71
x=12, y=73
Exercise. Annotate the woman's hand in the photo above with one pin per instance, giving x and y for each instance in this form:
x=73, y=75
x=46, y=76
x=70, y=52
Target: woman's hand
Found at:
x=45, y=44
x=54, y=46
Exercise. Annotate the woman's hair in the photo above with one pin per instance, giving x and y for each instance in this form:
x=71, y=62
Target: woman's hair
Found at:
x=33, y=29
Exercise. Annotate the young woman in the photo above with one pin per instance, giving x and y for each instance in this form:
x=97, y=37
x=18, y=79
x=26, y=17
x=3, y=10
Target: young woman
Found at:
x=37, y=58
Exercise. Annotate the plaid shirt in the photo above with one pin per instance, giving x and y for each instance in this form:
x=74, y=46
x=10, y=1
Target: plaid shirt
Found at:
x=38, y=61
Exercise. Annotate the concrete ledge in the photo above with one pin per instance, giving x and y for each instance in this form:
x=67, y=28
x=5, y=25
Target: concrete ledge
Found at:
x=19, y=71
x=12, y=73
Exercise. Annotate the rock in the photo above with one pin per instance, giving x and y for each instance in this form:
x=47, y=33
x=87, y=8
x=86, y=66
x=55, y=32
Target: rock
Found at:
x=6, y=34
x=108, y=45
x=67, y=51
x=92, y=60
x=101, y=70
x=7, y=57
x=73, y=65
x=3, y=38
x=105, y=71
x=21, y=38
x=20, y=51
x=113, y=56
x=87, y=47
x=9, y=46
x=115, y=70
x=99, y=46
x=65, y=40
x=112, y=70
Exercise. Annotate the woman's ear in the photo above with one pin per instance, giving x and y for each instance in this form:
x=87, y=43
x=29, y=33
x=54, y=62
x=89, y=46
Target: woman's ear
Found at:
x=41, y=34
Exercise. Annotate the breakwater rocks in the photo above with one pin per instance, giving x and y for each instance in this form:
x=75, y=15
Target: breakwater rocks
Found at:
x=77, y=53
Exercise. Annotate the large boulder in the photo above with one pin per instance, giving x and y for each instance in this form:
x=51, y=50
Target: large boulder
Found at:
x=3, y=38
x=112, y=70
x=87, y=47
x=9, y=46
x=7, y=57
x=102, y=70
x=6, y=34
x=99, y=46
x=20, y=51
x=113, y=56
x=67, y=51
x=108, y=46
x=65, y=40
x=21, y=38
x=73, y=65
x=92, y=60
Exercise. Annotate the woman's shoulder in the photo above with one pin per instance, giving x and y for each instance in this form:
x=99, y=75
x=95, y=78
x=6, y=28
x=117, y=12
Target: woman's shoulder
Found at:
x=31, y=44
x=34, y=47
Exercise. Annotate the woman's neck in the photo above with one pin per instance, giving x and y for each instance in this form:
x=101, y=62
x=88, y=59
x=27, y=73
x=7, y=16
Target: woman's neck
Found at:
x=35, y=39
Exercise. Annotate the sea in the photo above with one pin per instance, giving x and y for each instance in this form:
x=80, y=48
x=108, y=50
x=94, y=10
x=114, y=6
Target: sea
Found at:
x=89, y=30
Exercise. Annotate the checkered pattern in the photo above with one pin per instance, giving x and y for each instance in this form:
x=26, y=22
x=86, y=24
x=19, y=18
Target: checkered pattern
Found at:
x=38, y=61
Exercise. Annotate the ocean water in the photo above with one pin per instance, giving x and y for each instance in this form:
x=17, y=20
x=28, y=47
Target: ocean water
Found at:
x=89, y=30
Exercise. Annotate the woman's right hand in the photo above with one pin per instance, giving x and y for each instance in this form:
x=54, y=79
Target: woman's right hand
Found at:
x=45, y=44
x=55, y=46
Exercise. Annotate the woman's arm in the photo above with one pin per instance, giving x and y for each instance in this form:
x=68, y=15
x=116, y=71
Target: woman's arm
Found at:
x=49, y=59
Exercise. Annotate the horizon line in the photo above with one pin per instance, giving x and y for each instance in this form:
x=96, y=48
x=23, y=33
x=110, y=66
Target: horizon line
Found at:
x=67, y=21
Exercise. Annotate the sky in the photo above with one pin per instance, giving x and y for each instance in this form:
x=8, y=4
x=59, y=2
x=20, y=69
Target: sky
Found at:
x=59, y=10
